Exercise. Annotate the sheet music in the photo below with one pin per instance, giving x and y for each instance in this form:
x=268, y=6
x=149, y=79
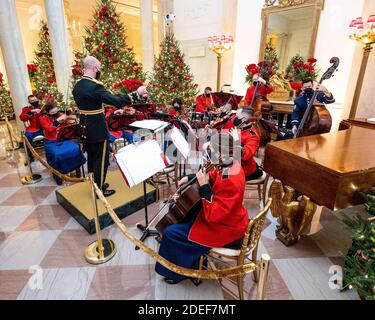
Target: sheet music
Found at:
x=140, y=162
x=180, y=142
x=152, y=125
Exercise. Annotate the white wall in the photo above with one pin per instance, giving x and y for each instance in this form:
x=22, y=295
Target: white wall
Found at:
x=247, y=40
x=366, y=105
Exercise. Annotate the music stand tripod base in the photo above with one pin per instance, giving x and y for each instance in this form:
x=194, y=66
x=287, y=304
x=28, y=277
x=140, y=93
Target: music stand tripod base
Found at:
x=28, y=180
x=92, y=255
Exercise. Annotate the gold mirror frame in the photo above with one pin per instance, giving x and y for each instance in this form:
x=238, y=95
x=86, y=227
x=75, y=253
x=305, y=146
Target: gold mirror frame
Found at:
x=284, y=5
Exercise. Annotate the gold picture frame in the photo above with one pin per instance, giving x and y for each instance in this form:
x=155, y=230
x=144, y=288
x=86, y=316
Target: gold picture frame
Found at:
x=285, y=5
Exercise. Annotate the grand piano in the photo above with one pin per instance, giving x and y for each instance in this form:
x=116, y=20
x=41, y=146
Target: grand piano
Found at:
x=327, y=170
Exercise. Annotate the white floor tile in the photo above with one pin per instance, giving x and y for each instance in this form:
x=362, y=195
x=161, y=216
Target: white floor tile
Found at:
x=12, y=217
x=126, y=253
x=25, y=249
x=60, y=284
x=5, y=193
x=308, y=279
x=72, y=224
x=186, y=290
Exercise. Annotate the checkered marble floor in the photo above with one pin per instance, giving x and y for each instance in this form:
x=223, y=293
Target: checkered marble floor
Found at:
x=40, y=240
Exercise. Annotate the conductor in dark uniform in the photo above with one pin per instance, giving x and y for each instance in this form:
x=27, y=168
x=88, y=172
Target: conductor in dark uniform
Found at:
x=89, y=95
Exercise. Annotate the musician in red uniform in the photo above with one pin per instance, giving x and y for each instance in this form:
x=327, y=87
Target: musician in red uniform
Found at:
x=221, y=223
x=264, y=89
x=64, y=156
x=249, y=142
x=204, y=101
x=177, y=108
x=31, y=114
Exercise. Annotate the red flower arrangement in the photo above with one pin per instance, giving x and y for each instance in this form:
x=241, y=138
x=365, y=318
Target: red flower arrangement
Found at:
x=32, y=69
x=253, y=69
x=127, y=86
x=304, y=70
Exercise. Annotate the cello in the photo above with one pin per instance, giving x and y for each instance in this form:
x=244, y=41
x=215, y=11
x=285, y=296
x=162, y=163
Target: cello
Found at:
x=317, y=119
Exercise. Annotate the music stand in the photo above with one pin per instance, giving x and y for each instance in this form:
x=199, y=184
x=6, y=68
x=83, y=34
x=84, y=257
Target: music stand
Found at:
x=141, y=162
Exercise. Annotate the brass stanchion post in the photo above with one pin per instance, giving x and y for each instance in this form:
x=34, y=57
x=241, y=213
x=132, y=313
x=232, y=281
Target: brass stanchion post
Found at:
x=31, y=178
x=13, y=147
x=264, y=265
x=102, y=250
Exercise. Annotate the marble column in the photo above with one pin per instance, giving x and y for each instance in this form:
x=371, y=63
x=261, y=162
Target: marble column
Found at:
x=14, y=56
x=147, y=26
x=164, y=7
x=59, y=43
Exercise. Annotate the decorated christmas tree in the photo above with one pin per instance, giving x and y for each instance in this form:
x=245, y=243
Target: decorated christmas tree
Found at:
x=41, y=71
x=360, y=260
x=171, y=77
x=106, y=40
x=6, y=106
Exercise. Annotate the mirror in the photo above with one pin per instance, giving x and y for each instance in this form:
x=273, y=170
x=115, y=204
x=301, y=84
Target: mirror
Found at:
x=291, y=29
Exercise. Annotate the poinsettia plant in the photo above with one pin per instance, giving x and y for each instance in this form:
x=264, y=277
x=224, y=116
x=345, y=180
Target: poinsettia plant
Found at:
x=264, y=69
x=300, y=69
x=127, y=86
x=32, y=70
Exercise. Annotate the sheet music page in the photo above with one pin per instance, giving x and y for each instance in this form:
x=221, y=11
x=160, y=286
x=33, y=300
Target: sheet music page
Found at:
x=152, y=125
x=140, y=162
x=180, y=142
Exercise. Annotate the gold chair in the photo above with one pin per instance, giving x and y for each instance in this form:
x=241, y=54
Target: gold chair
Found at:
x=259, y=184
x=250, y=243
x=170, y=174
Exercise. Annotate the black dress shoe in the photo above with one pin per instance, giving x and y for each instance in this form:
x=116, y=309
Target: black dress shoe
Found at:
x=105, y=186
x=170, y=281
x=107, y=193
x=59, y=181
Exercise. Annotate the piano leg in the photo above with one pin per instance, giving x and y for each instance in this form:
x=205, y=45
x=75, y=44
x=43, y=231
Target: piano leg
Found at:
x=295, y=215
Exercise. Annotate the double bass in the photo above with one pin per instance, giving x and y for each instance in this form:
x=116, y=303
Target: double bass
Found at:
x=317, y=119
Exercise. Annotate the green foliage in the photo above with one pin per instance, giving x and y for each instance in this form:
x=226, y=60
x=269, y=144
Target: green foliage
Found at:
x=171, y=77
x=6, y=106
x=370, y=199
x=44, y=80
x=105, y=39
x=360, y=260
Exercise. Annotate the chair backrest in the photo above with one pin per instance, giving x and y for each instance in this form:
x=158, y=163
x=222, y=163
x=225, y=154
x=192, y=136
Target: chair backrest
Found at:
x=254, y=229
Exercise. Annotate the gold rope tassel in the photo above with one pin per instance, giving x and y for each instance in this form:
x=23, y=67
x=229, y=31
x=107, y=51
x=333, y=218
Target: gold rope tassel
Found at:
x=192, y=273
x=48, y=167
x=14, y=140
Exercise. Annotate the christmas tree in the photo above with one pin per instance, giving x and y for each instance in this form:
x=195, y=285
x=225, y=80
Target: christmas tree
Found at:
x=105, y=39
x=171, y=77
x=6, y=107
x=42, y=72
x=360, y=260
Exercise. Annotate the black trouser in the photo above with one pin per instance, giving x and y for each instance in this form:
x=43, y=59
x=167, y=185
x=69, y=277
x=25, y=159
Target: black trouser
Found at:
x=98, y=160
x=256, y=175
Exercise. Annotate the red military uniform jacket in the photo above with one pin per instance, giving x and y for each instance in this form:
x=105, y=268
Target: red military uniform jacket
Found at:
x=223, y=218
x=172, y=112
x=203, y=103
x=263, y=90
x=250, y=144
x=49, y=126
x=116, y=134
x=32, y=118
x=228, y=125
